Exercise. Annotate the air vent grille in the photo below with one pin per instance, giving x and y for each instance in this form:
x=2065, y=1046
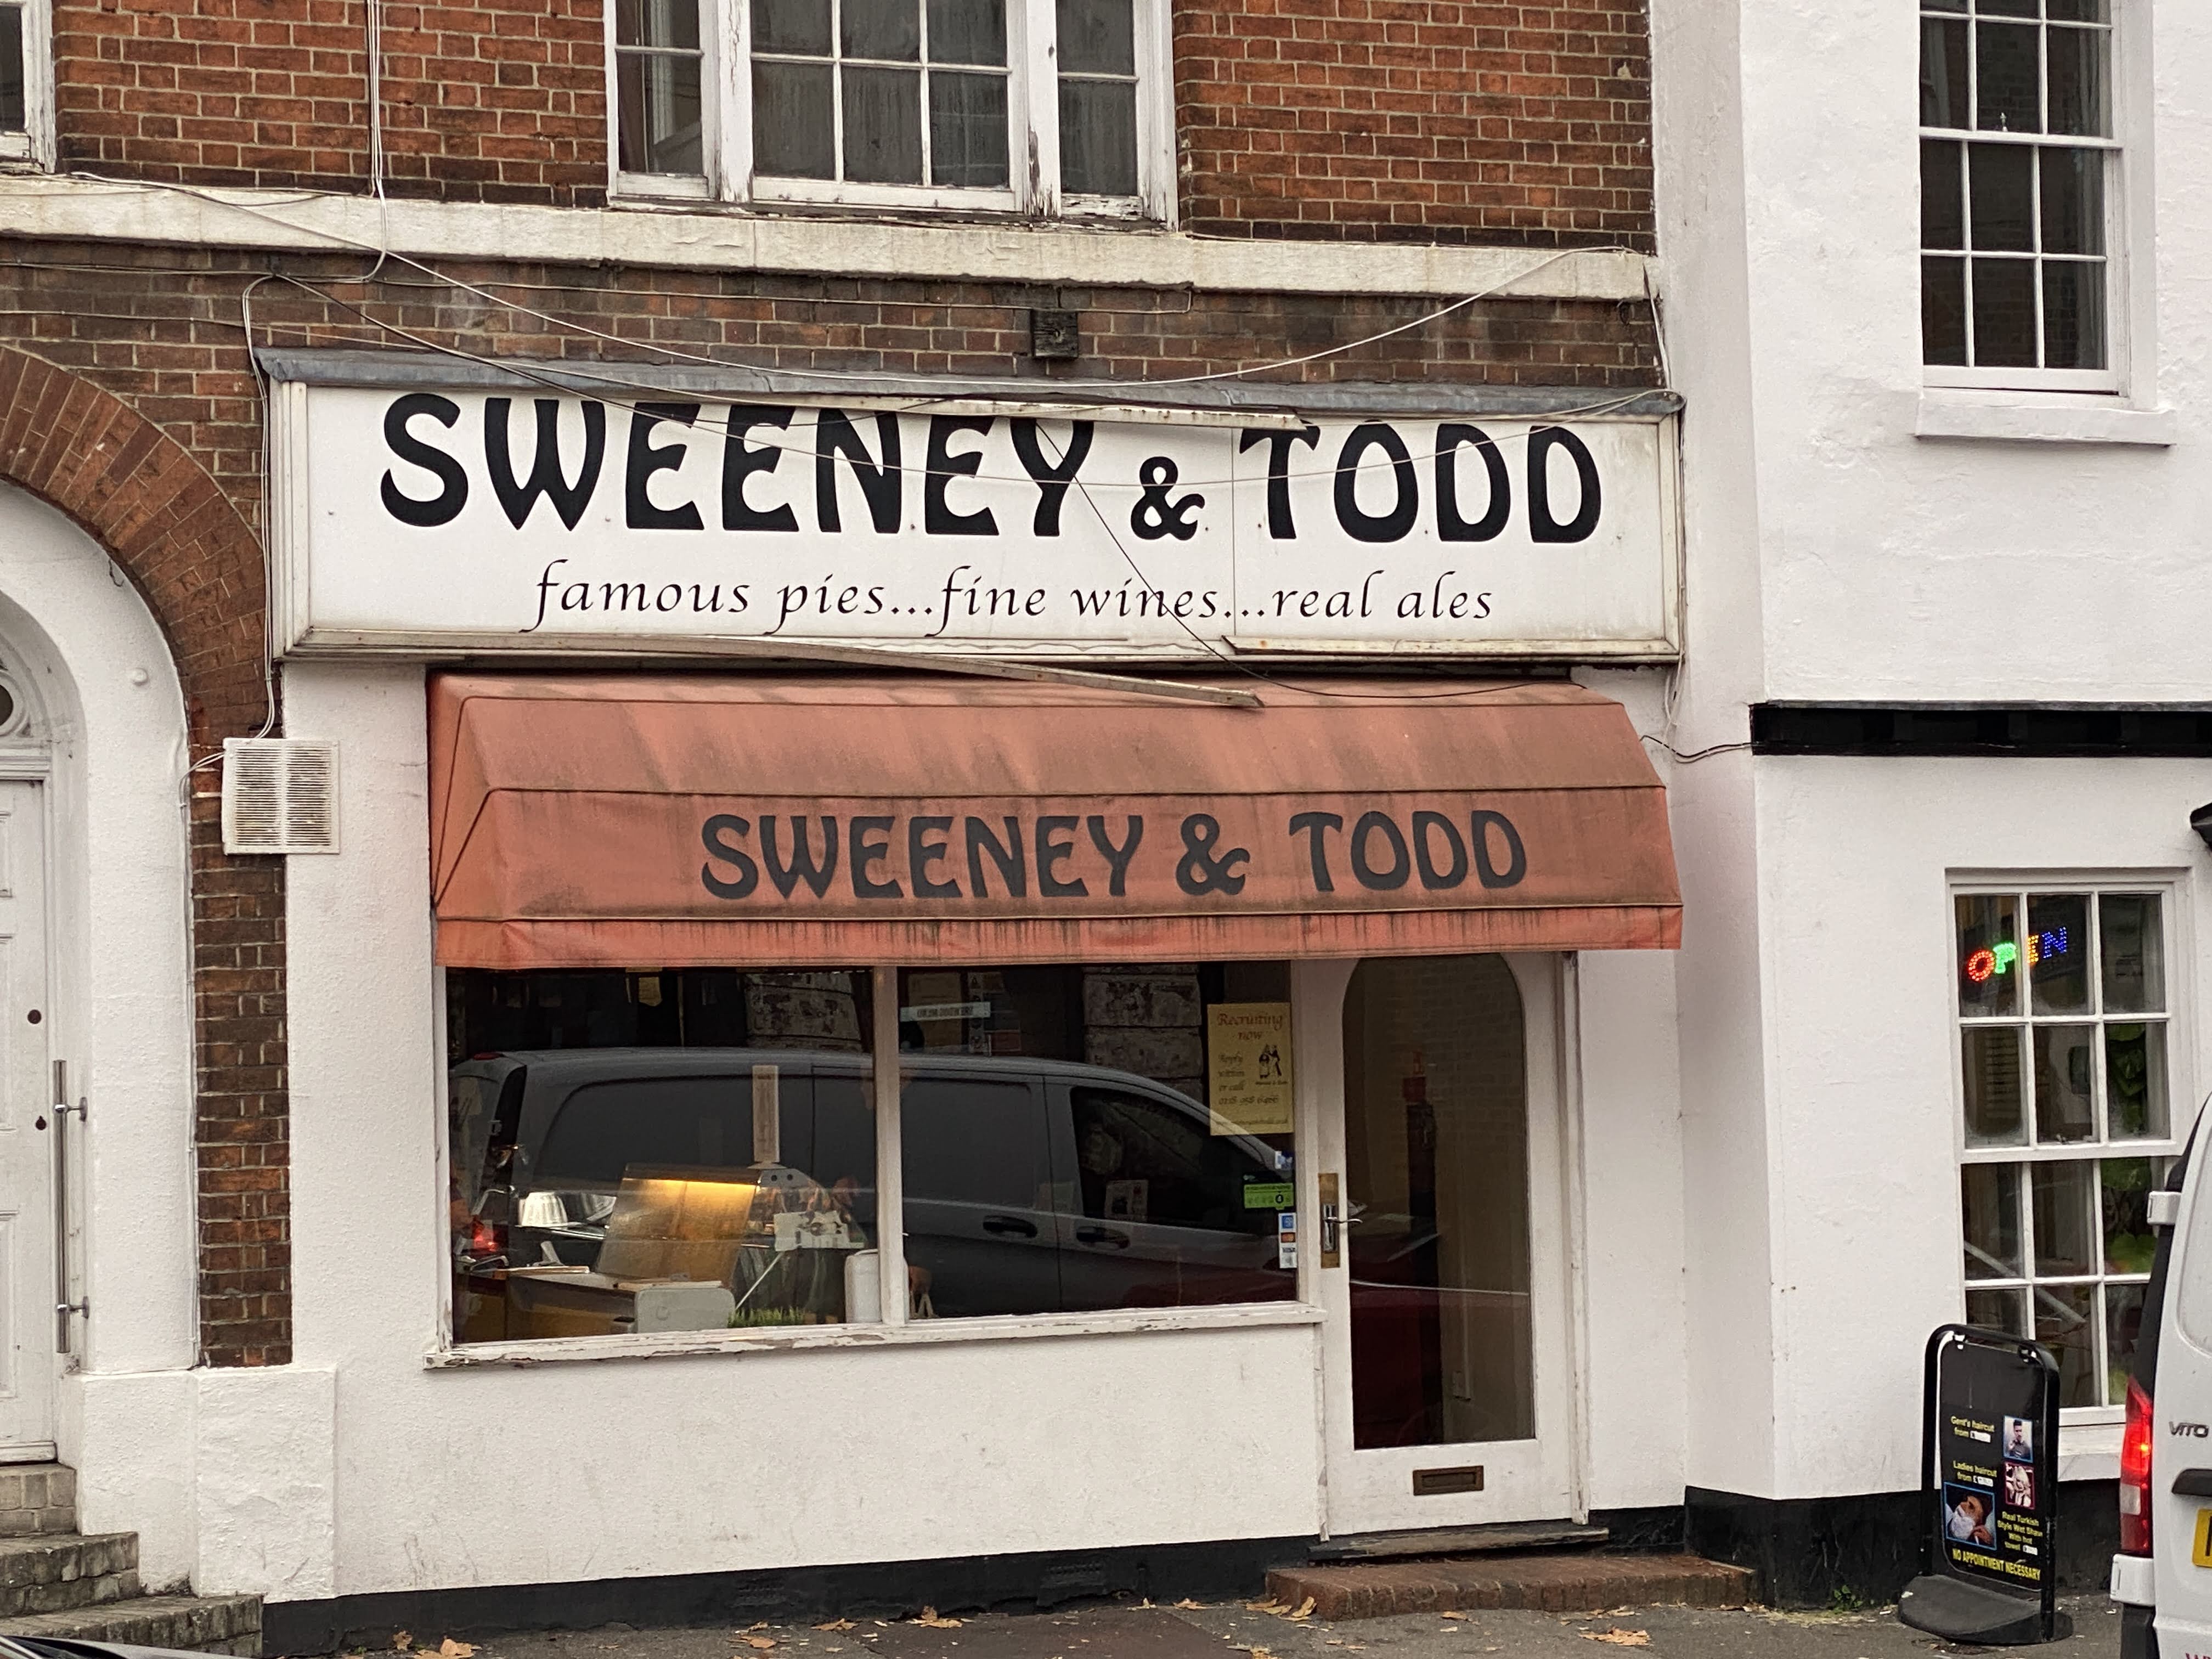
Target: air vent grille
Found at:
x=279, y=795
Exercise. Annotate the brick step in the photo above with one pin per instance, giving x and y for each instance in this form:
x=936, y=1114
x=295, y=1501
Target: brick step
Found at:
x=55, y=1571
x=203, y=1624
x=37, y=1498
x=1580, y=1582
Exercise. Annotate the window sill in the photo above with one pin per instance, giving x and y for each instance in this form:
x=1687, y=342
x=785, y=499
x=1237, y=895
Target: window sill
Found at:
x=679, y=1345
x=1947, y=413
x=2089, y=1451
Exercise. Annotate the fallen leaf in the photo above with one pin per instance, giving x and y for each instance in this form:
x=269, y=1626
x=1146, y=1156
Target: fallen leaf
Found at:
x=449, y=1649
x=401, y=1641
x=1451, y=1615
x=929, y=1618
x=1263, y=1607
x=836, y=1624
x=759, y=1643
x=1188, y=1605
x=1620, y=1638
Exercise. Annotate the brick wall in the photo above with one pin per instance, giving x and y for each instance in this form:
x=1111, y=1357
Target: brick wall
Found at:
x=1442, y=120
x=495, y=100
x=146, y=345
x=1433, y=120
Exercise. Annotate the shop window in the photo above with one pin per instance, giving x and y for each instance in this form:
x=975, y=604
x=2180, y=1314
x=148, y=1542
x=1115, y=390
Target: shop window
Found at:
x=2018, y=188
x=697, y=1149
x=1039, y=107
x=2067, y=1119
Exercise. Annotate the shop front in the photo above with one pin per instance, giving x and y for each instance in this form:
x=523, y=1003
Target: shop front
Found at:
x=910, y=1096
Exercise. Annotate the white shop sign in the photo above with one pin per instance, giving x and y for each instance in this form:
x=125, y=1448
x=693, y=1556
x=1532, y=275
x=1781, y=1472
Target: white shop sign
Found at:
x=412, y=518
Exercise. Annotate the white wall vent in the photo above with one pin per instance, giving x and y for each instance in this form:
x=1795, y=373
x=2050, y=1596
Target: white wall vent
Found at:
x=279, y=795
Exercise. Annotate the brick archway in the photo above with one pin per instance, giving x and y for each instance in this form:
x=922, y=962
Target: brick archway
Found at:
x=182, y=541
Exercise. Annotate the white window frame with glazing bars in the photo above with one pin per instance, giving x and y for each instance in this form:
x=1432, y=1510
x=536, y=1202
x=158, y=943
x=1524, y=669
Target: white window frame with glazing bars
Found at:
x=33, y=145
x=2118, y=321
x=2160, y=1151
x=1033, y=188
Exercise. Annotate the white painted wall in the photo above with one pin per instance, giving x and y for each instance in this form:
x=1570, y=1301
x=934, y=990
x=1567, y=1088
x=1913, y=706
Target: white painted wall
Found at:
x=1855, y=859
x=91, y=656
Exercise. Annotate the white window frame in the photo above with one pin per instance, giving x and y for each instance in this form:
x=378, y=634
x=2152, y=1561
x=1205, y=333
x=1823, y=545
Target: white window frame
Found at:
x=1032, y=138
x=2180, y=1088
x=34, y=145
x=2125, y=221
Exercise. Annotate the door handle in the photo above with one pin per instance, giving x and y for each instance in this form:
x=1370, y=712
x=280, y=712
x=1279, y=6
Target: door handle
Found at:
x=1119, y=1241
x=2193, y=1483
x=1332, y=1220
x=1008, y=1225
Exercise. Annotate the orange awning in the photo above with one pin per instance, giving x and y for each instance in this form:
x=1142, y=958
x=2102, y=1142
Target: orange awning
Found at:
x=637, y=821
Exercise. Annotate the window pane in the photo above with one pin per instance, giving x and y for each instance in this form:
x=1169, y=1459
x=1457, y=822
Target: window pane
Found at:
x=658, y=23
x=1943, y=310
x=1990, y=1200
x=1942, y=73
x=658, y=99
x=967, y=31
x=2074, y=315
x=2007, y=77
x=2064, y=1232
x=1098, y=36
x=2065, y=1101
x=2066, y=1323
x=606, y=1179
x=2007, y=8
x=883, y=125
x=2131, y=936
x=2058, y=952
x=1099, y=137
x=2004, y=313
x=1997, y=1310
x=794, y=26
x=2078, y=11
x=2124, y=1307
x=881, y=28
x=792, y=134
x=2072, y=201
x=2135, y=1082
x=1942, y=200
x=1991, y=1066
x=967, y=128
x=1943, y=5
x=1989, y=951
x=2129, y=1245
x=12, y=116
x=2076, y=60
x=1059, y=1150
x=980, y=1231
x=2003, y=196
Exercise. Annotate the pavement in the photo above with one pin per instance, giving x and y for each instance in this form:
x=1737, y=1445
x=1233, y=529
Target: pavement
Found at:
x=1236, y=1630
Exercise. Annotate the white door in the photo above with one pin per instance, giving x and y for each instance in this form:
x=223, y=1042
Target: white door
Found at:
x=1447, y=1389
x=28, y=1129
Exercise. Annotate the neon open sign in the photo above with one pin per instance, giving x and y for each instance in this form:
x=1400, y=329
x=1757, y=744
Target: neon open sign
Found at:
x=1999, y=958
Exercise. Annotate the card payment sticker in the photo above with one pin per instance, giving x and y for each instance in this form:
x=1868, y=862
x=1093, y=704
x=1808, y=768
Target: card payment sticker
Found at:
x=2201, y=1553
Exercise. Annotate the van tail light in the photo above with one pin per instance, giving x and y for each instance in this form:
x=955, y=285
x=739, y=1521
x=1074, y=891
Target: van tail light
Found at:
x=485, y=1238
x=2134, y=1474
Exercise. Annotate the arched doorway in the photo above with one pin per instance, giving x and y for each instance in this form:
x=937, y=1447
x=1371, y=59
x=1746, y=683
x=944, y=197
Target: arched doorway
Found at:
x=1449, y=1398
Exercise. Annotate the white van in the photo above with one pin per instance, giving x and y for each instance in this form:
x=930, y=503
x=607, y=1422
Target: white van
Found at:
x=2162, y=1578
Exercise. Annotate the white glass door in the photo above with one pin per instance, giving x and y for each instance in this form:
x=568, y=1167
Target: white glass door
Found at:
x=1449, y=1394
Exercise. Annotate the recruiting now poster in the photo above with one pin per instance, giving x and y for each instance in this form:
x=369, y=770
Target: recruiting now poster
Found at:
x=1248, y=1067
